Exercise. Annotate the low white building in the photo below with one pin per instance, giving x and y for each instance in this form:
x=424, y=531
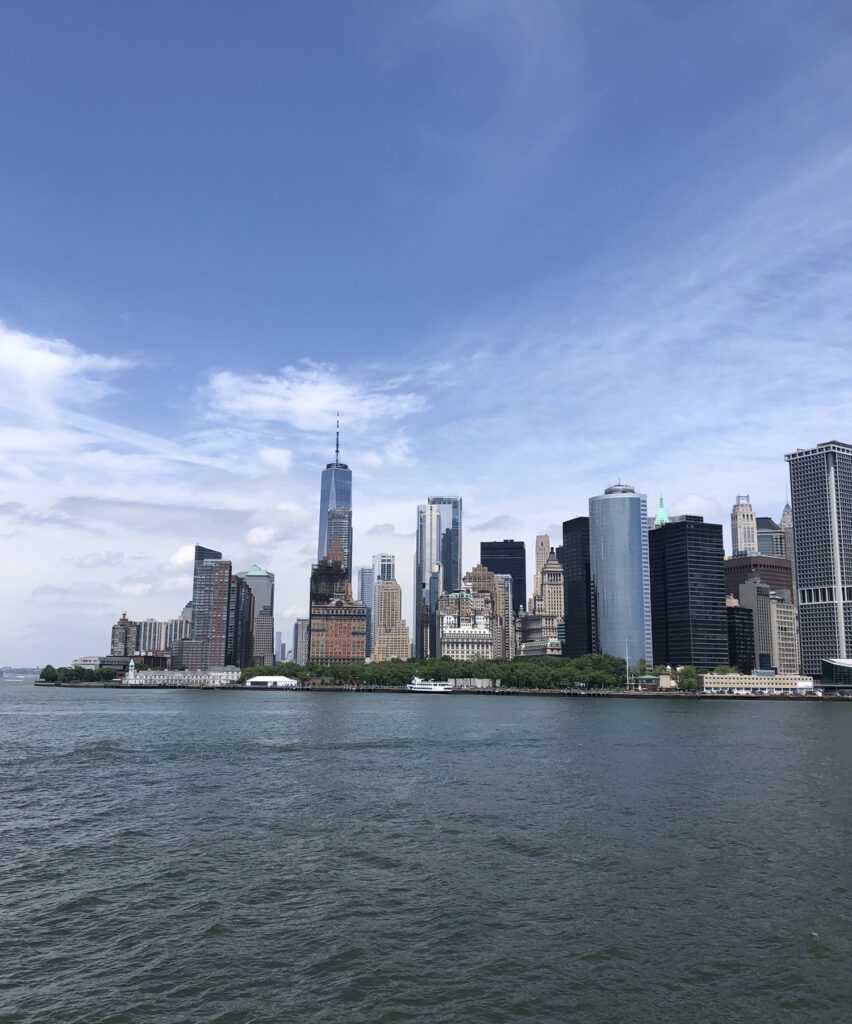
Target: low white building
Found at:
x=272, y=683
x=88, y=661
x=713, y=682
x=203, y=679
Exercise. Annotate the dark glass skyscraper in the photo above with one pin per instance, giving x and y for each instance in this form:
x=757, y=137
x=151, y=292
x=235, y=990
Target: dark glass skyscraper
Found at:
x=335, y=492
x=688, y=616
x=579, y=614
x=508, y=558
x=437, y=565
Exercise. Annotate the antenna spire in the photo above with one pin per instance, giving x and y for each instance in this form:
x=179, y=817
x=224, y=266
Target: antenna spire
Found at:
x=337, y=441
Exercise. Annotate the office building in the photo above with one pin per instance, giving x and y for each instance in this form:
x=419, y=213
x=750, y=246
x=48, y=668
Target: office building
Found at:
x=578, y=611
x=620, y=581
x=770, y=538
x=743, y=527
x=391, y=635
x=367, y=597
x=262, y=585
x=301, y=633
x=239, y=648
x=437, y=567
x=740, y=635
x=340, y=532
x=384, y=568
x=497, y=588
x=784, y=634
x=821, y=498
x=776, y=573
x=689, y=621
x=465, y=628
x=508, y=557
x=542, y=552
x=335, y=492
x=550, y=599
x=338, y=632
x=755, y=594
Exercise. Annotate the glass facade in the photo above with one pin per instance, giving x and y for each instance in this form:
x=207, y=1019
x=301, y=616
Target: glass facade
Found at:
x=618, y=550
x=508, y=558
x=579, y=628
x=335, y=492
x=437, y=566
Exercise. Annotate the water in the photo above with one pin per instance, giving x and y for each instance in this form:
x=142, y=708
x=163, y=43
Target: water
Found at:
x=178, y=857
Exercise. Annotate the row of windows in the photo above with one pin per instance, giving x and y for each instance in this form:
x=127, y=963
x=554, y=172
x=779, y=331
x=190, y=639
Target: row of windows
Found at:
x=821, y=595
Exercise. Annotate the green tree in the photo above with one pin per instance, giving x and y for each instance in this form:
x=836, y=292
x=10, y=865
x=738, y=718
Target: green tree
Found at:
x=687, y=678
x=49, y=674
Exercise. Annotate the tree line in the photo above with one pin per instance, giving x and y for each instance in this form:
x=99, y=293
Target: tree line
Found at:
x=72, y=674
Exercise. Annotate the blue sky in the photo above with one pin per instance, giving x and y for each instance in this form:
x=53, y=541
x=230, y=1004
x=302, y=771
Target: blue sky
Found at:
x=526, y=248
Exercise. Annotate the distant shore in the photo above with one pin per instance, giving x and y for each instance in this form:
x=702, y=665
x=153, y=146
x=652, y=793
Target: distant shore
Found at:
x=464, y=692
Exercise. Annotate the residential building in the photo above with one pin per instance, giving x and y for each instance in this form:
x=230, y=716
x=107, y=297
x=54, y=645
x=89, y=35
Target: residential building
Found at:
x=821, y=497
x=743, y=527
x=384, y=568
x=391, y=633
x=262, y=585
x=580, y=636
x=620, y=580
x=689, y=621
x=508, y=557
x=210, y=594
x=125, y=637
x=335, y=492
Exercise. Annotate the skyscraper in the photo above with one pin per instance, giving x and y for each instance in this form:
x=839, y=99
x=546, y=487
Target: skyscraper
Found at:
x=770, y=538
x=437, y=567
x=580, y=635
x=508, y=557
x=301, y=632
x=335, y=492
x=821, y=496
x=689, y=619
x=240, y=637
x=367, y=597
x=618, y=543
x=262, y=585
x=391, y=633
x=210, y=597
x=542, y=550
x=125, y=637
x=743, y=527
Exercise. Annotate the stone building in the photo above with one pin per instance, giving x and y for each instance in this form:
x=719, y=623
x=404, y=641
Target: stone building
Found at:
x=391, y=633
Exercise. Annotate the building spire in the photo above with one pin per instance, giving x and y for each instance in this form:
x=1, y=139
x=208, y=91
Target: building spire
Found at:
x=661, y=517
x=337, y=441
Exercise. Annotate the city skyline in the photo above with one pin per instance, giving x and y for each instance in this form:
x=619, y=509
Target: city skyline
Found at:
x=566, y=205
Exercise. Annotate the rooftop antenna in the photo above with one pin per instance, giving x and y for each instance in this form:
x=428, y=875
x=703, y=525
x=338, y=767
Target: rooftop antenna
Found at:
x=337, y=441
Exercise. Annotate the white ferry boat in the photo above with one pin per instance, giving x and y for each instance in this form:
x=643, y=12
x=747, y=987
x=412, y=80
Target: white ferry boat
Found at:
x=418, y=685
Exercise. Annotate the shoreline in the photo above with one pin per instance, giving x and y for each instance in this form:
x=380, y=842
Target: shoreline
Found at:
x=501, y=692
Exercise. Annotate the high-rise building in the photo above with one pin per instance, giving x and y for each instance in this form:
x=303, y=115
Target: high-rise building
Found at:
x=262, y=584
x=776, y=573
x=785, y=635
x=338, y=632
x=367, y=597
x=618, y=545
x=542, y=551
x=125, y=637
x=240, y=638
x=210, y=597
x=384, y=568
x=335, y=492
x=770, y=538
x=437, y=566
x=821, y=496
x=497, y=588
x=689, y=621
x=340, y=532
x=175, y=630
x=391, y=635
x=579, y=617
x=201, y=555
x=740, y=635
x=755, y=595
x=551, y=587
x=743, y=527
x=301, y=633
x=508, y=557
x=786, y=524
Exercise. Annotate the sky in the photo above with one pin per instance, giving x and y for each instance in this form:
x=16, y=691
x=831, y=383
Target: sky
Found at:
x=526, y=249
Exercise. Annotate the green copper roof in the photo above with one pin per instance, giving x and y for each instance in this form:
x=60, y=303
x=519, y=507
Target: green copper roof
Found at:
x=253, y=570
x=661, y=517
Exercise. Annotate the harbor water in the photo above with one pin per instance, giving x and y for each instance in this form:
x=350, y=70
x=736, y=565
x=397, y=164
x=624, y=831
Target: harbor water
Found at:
x=236, y=857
